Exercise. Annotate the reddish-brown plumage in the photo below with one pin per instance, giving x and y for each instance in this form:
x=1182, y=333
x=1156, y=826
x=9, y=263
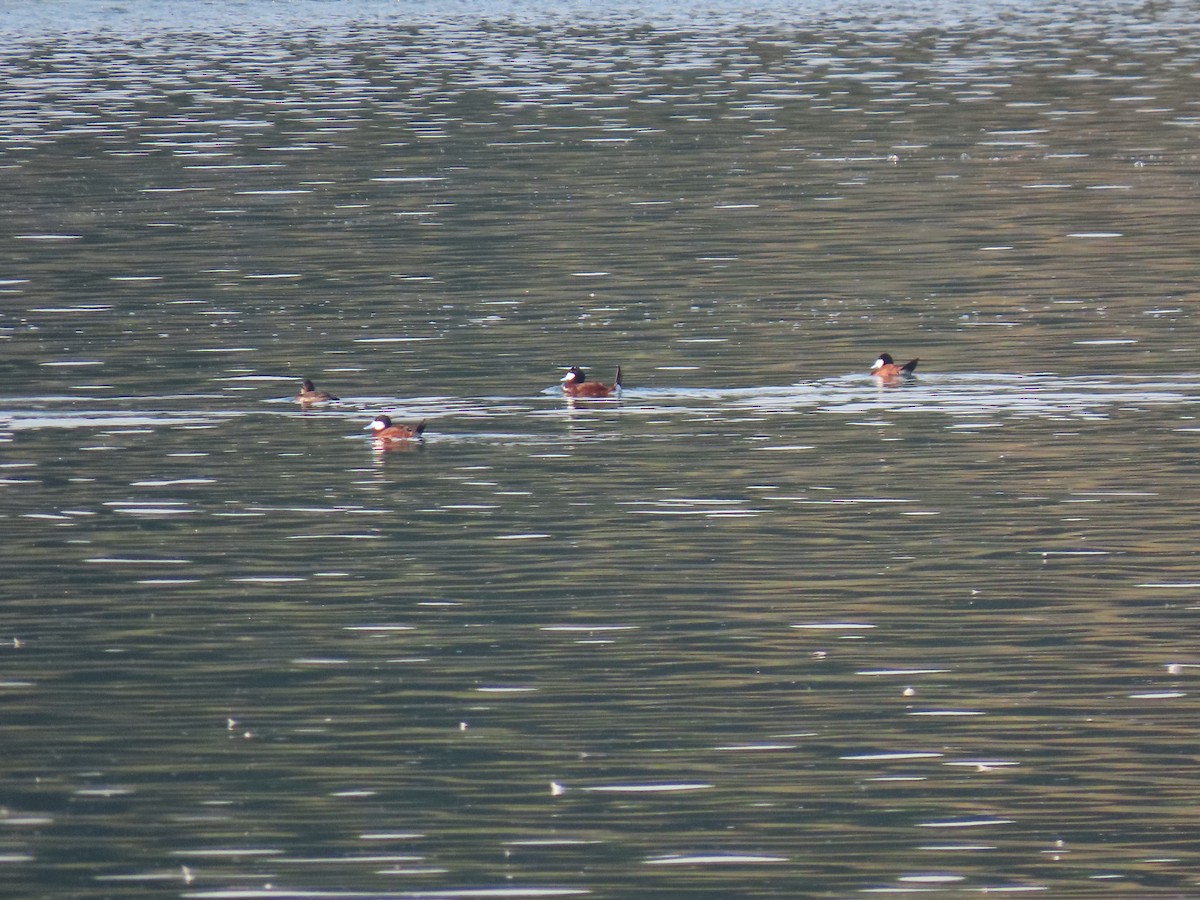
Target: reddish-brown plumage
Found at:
x=575, y=384
x=385, y=431
x=886, y=369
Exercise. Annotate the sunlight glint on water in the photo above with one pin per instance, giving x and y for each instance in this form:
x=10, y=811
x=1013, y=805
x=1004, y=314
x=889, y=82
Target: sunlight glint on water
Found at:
x=764, y=626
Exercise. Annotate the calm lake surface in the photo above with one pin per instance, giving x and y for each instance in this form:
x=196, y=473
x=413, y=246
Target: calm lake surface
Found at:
x=762, y=628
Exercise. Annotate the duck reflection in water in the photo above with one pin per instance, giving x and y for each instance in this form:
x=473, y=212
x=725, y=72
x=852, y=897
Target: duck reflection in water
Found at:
x=389, y=436
x=886, y=371
x=575, y=384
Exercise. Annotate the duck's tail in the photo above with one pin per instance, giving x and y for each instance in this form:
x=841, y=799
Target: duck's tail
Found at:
x=910, y=366
x=617, y=382
x=419, y=428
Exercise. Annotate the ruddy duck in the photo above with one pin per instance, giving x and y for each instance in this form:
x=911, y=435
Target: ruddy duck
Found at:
x=309, y=394
x=886, y=369
x=575, y=384
x=385, y=431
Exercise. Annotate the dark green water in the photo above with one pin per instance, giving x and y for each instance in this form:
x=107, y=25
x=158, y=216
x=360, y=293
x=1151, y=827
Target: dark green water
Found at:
x=763, y=628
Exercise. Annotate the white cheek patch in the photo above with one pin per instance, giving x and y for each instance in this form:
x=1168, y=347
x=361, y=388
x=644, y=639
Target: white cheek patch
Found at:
x=878, y=364
x=377, y=425
x=568, y=377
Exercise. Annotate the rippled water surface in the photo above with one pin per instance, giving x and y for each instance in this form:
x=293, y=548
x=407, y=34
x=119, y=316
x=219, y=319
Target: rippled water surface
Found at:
x=762, y=627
